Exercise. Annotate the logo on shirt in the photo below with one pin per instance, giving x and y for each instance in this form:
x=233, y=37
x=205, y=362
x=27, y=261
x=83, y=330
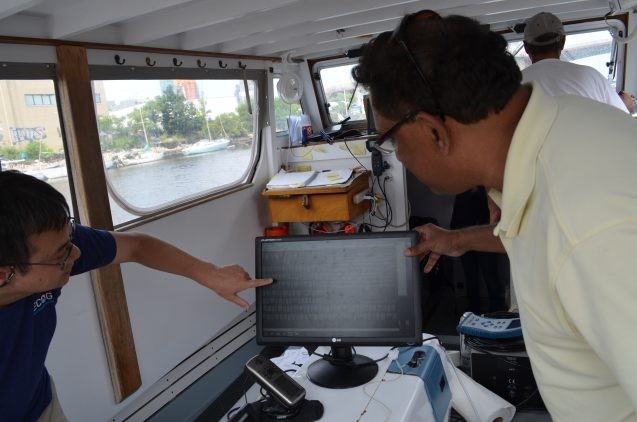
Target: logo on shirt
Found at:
x=42, y=302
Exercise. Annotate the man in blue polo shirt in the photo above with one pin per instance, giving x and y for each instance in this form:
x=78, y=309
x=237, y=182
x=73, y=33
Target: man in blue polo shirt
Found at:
x=40, y=248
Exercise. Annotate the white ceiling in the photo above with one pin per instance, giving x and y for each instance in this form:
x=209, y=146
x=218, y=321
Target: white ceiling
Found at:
x=307, y=28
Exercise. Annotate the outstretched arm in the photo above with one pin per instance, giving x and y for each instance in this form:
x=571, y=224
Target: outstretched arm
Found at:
x=159, y=255
x=437, y=241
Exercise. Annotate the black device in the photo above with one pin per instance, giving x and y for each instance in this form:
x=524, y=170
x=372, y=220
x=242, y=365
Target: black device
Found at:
x=276, y=382
x=329, y=133
x=508, y=375
x=378, y=165
x=416, y=359
x=339, y=290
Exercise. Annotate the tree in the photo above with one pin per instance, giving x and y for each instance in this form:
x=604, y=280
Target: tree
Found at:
x=179, y=117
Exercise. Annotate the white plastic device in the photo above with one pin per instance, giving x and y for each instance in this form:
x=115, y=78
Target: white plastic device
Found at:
x=492, y=328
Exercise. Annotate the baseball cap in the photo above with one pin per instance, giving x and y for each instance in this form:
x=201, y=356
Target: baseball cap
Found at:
x=545, y=25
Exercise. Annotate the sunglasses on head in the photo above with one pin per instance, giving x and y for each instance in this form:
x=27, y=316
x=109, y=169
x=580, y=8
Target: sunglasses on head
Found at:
x=398, y=36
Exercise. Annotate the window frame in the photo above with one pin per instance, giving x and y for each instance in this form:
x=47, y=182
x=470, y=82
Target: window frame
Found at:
x=320, y=90
x=260, y=106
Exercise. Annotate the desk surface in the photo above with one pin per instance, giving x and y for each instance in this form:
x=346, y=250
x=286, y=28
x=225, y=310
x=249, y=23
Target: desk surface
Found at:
x=388, y=396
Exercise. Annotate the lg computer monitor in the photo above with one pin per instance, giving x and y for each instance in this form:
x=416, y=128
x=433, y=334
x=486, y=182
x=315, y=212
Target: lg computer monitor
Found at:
x=339, y=290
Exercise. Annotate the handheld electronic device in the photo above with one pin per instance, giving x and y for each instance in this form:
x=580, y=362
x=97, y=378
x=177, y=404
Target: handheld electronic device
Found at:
x=492, y=328
x=282, y=388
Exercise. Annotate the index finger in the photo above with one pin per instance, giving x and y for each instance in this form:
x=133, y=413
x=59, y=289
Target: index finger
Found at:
x=258, y=282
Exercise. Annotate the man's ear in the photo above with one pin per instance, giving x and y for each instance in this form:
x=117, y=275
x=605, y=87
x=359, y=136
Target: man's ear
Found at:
x=439, y=132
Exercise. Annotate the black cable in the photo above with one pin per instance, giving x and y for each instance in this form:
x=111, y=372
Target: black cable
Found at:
x=502, y=315
x=523, y=402
x=332, y=359
x=432, y=338
x=352, y=154
x=499, y=345
x=245, y=397
x=388, y=208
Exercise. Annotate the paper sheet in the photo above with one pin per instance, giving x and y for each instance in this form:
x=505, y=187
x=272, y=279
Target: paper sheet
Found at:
x=331, y=177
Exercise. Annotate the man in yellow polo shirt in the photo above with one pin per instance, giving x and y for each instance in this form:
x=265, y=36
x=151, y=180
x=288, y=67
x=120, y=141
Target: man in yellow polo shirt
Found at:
x=563, y=170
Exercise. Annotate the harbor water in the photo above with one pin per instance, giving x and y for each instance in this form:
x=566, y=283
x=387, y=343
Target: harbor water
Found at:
x=153, y=184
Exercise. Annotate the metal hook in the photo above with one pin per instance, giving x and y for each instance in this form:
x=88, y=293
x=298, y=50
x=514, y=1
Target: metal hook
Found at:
x=177, y=63
x=149, y=63
x=201, y=64
x=242, y=66
x=119, y=60
x=221, y=65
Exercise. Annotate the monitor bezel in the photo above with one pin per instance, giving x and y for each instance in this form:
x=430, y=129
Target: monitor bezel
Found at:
x=415, y=291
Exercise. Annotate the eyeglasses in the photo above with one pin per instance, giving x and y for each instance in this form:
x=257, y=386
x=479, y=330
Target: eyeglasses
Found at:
x=69, y=248
x=397, y=36
x=389, y=133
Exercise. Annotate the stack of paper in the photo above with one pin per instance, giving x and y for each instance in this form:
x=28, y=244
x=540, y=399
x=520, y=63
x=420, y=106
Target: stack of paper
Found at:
x=299, y=179
x=293, y=179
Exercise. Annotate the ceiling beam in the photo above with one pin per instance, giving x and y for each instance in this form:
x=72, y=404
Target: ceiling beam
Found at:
x=302, y=12
x=328, y=48
x=90, y=14
x=192, y=16
x=325, y=37
x=11, y=7
x=585, y=9
x=301, y=29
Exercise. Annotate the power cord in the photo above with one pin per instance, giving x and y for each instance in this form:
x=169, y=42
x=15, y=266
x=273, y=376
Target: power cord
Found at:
x=332, y=359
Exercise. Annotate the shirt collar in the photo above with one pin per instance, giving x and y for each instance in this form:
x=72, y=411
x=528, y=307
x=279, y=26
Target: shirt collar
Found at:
x=519, y=171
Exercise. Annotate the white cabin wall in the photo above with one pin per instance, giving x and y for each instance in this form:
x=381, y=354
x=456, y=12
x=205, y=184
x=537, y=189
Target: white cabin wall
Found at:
x=171, y=317
x=631, y=56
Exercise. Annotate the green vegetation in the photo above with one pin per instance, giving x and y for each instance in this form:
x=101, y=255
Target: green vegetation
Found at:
x=168, y=118
x=34, y=150
x=283, y=110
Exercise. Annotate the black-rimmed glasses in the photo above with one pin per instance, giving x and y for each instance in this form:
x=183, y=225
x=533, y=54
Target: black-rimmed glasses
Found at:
x=389, y=133
x=69, y=248
x=397, y=36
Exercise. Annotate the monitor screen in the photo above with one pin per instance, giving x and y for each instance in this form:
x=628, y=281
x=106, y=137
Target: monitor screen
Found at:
x=339, y=290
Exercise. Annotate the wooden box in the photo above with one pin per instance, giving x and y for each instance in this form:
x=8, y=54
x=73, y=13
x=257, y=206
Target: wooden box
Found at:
x=320, y=203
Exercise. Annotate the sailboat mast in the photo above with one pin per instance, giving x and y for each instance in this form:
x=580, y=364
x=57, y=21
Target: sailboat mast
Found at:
x=141, y=116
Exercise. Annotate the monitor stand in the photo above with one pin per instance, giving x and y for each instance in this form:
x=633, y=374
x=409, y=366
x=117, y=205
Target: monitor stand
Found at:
x=342, y=370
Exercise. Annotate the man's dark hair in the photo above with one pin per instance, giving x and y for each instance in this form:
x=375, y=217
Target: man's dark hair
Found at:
x=468, y=66
x=27, y=206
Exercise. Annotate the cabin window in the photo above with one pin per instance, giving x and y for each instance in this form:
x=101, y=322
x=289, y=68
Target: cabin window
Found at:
x=341, y=96
x=169, y=141
x=283, y=110
x=30, y=129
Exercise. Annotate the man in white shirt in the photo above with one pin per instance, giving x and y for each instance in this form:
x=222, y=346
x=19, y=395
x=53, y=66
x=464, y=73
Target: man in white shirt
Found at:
x=544, y=39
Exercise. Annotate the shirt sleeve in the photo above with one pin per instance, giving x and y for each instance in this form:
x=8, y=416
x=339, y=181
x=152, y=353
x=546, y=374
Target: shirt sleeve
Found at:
x=608, y=92
x=98, y=249
x=598, y=290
